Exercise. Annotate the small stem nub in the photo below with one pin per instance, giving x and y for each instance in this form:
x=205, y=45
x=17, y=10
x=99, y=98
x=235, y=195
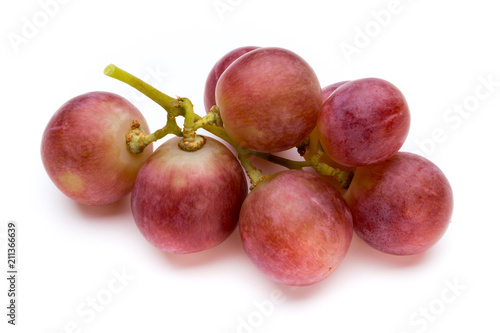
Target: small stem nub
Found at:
x=212, y=118
x=136, y=139
x=217, y=120
x=255, y=175
x=343, y=177
x=302, y=147
x=190, y=140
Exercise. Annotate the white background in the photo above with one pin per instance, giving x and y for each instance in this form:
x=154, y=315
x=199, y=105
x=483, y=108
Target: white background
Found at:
x=439, y=53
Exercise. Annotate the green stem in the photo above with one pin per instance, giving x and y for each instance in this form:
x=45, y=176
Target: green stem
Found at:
x=212, y=118
x=190, y=141
x=165, y=101
x=189, y=115
x=170, y=128
x=343, y=177
x=255, y=175
x=220, y=133
x=138, y=140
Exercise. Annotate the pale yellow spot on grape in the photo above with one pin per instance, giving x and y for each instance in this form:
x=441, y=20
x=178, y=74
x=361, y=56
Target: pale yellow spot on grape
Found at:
x=179, y=182
x=71, y=182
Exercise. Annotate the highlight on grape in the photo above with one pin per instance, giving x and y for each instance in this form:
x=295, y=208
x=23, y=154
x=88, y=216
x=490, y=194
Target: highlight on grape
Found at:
x=192, y=192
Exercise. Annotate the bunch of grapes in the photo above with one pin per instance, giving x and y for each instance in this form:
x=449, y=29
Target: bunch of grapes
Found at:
x=192, y=192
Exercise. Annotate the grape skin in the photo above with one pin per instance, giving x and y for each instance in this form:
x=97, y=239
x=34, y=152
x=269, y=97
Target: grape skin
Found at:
x=329, y=89
x=400, y=206
x=269, y=100
x=84, y=152
x=217, y=70
x=363, y=122
x=186, y=202
x=295, y=227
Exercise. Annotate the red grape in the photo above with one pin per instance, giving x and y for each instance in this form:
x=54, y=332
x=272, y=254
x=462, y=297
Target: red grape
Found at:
x=269, y=99
x=84, y=151
x=402, y=205
x=219, y=68
x=328, y=90
x=363, y=122
x=295, y=227
x=186, y=202
x=312, y=148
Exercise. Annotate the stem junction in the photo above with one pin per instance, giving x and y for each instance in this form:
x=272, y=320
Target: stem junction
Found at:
x=137, y=139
